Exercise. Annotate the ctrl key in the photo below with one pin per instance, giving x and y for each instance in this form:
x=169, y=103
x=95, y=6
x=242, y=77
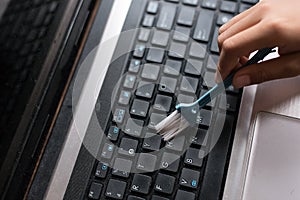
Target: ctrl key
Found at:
x=95, y=190
x=115, y=189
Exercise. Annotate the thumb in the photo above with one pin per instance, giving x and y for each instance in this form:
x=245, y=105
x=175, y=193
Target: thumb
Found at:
x=282, y=67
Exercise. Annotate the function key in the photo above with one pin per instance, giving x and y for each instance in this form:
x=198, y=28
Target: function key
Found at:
x=129, y=81
x=115, y=189
x=113, y=133
x=194, y=157
x=122, y=167
x=101, y=170
x=189, y=178
x=152, y=7
x=141, y=183
x=124, y=97
x=164, y=183
x=139, y=50
x=95, y=191
x=119, y=115
x=148, y=20
x=144, y=35
x=134, y=66
x=107, y=151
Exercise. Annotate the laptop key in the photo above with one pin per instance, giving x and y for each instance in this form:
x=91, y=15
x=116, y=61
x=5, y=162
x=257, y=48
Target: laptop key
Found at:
x=134, y=66
x=139, y=50
x=181, y=98
x=152, y=142
x=189, y=84
x=139, y=108
x=113, y=133
x=204, y=25
x=194, y=157
x=205, y=117
x=145, y=89
x=152, y=7
x=130, y=197
x=211, y=4
x=209, y=79
x=129, y=81
x=148, y=20
x=167, y=85
x=172, y=67
x=101, y=170
x=170, y=162
x=150, y=71
x=228, y=6
x=164, y=183
x=115, y=189
x=193, y=67
x=128, y=147
x=155, y=197
x=244, y=7
x=181, y=34
x=124, y=97
x=122, y=167
x=250, y=1
x=223, y=18
x=166, y=17
x=176, y=144
x=197, y=50
x=177, y=50
x=231, y=103
x=162, y=103
x=212, y=62
x=134, y=127
x=213, y=101
x=119, y=115
x=189, y=178
x=155, y=119
x=95, y=190
x=146, y=162
x=160, y=38
x=107, y=151
x=144, y=35
x=141, y=183
x=181, y=194
x=186, y=16
x=191, y=2
x=155, y=55
x=200, y=139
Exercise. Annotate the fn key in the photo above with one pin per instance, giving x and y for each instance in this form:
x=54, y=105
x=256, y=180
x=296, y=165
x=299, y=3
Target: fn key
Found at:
x=95, y=190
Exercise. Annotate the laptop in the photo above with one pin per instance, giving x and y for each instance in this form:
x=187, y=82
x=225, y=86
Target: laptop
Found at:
x=127, y=64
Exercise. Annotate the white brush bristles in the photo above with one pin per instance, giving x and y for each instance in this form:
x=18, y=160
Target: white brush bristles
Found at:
x=171, y=125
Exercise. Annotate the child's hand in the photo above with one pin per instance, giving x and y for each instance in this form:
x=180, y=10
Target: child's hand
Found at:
x=270, y=23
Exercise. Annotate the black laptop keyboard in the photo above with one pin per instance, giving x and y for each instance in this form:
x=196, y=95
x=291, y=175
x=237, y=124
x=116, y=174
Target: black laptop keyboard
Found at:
x=157, y=78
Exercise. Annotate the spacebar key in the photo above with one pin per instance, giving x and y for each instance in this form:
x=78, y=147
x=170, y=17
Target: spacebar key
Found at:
x=204, y=25
x=166, y=17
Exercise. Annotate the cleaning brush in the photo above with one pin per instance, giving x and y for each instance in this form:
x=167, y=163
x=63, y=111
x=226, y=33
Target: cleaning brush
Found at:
x=186, y=115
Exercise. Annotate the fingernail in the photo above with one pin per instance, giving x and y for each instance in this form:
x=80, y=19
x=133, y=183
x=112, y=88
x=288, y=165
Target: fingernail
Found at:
x=242, y=81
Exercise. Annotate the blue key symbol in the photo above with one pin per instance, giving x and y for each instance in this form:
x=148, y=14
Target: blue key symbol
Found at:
x=104, y=167
x=116, y=130
x=194, y=183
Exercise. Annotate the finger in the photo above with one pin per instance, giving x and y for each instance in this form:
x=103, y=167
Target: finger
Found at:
x=236, y=19
x=281, y=67
x=241, y=44
x=245, y=23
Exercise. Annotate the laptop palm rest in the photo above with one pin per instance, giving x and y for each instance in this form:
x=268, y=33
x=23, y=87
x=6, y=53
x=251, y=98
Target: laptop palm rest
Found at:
x=274, y=162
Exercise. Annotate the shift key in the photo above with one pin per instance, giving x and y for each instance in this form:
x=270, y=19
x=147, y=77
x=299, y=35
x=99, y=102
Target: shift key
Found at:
x=204, y=25
x=166, y=17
